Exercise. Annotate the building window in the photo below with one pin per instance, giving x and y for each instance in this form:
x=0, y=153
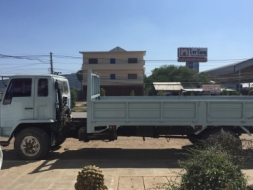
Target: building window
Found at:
x=112, y=76
x=112, y=61
x=132, y=76
x=132, y=60
x=93, y=61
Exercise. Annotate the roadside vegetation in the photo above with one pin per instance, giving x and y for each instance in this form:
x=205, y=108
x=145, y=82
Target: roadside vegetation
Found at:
x=79, y=107
x=172, y=73
x=215, y=165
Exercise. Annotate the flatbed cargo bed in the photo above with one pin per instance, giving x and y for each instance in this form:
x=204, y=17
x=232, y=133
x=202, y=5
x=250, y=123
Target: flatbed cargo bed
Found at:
x=179, y=111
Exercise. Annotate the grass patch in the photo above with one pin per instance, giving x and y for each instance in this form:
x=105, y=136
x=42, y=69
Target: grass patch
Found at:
x=79, y=109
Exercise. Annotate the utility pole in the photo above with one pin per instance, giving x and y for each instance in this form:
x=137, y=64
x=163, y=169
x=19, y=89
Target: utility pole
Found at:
x=51, y=62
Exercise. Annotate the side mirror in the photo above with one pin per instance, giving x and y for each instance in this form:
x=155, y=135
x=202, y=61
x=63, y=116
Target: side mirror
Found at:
x=58, y=85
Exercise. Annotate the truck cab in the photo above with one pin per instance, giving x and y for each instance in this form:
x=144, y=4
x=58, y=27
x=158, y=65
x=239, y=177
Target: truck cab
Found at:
x=34, y=101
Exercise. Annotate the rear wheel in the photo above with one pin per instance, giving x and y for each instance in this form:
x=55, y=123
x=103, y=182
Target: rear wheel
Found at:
x=32, y=144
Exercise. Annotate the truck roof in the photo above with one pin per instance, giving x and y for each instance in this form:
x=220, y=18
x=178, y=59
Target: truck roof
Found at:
x=37, y=75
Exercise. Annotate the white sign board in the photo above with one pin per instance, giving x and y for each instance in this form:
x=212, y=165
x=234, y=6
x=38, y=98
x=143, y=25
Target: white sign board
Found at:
x=211, y=87
x=192, y=54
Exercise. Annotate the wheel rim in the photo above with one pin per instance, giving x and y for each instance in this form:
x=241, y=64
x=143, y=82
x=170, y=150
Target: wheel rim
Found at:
x=30, y=146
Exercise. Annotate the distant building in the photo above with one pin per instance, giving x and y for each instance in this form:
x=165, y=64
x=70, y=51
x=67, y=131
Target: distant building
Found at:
x=170, y=88
x=193, y=65
x=233, y=75
x=120, y=71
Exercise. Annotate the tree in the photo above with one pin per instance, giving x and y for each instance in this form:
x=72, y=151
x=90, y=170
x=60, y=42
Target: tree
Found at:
x=172, y=73
x=102, y=92
x=79, y=75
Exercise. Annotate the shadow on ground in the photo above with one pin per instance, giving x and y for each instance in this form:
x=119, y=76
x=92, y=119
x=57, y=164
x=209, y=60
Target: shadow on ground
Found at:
x=107, y=157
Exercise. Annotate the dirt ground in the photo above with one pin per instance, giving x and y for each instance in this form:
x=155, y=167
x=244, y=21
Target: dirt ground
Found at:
x=125, y=148
x=128, y=163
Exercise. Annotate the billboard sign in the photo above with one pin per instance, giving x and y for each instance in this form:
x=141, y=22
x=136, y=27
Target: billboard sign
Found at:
x=192, y=54
x=211, y=87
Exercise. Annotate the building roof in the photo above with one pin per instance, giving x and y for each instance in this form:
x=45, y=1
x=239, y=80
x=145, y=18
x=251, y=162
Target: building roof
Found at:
x=193, y=89
x=173, y=86
x=234, y=67
x=232, y=72
x=114, y=50
x=117, y=49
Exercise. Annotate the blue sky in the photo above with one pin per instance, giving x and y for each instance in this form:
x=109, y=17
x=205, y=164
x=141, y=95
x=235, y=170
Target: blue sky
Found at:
x=159, y=27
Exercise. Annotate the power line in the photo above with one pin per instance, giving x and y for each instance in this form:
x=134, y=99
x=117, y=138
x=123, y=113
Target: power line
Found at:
x=22, y=66
x=147, y=60
x=34, y=57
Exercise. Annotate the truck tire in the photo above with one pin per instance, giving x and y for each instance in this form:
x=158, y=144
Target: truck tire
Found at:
x=32, y=144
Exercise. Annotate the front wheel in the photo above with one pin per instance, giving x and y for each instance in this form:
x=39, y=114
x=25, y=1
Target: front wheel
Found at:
x=32, y=144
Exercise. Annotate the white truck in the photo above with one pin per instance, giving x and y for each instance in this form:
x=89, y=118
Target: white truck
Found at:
x=35, y=110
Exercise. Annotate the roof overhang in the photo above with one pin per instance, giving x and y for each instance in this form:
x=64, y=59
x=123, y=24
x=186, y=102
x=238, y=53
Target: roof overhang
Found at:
x=168, y=86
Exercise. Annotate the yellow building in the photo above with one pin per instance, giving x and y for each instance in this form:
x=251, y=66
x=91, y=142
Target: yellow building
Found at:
x=120, y=71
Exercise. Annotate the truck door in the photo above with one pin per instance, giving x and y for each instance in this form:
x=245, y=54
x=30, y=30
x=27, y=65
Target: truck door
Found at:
x=17, y=103
x=44, y=105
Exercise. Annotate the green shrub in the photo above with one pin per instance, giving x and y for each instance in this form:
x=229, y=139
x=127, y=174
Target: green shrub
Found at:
x=216, y=165
x=160, y=93
x=210, y=169
x=102, y=92
x=132, y=93
x=73, y=94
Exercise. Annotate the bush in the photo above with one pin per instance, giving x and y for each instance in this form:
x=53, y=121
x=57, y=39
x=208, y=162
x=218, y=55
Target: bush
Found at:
x=210, y=169
x=216, y=165
x=160, y=93
x=132, y=93
x=73, y=94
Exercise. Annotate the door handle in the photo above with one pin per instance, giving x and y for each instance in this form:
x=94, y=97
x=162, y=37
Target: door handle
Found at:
x=28, y=108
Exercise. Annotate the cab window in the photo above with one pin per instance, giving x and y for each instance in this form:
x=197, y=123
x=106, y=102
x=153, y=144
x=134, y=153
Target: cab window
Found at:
x=42, y=87
x=18, y=88
x=65, y=88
